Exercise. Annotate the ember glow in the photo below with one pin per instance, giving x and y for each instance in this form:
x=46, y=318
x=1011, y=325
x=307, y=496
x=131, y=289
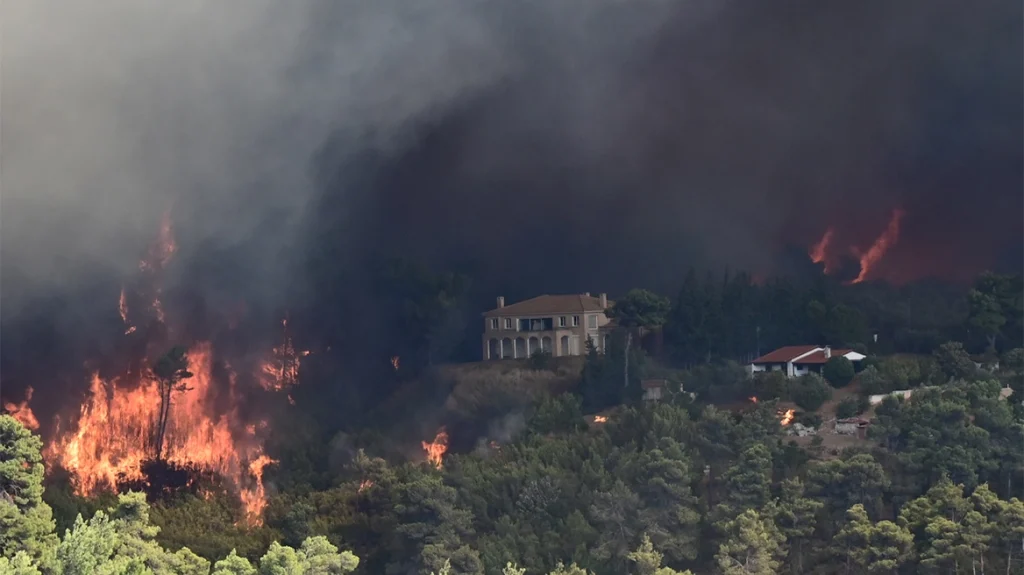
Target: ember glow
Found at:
x=877, y=251
x=282, y=370
x=600, y=419
x=22, y=412
x=122, y=306
x=436, y=449
x=396, y=362
x=113, y=433
x=787, y=417
x=753, y=399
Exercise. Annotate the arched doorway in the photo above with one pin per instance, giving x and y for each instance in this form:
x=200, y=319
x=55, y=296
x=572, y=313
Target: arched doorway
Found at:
x=565, y=345
x=506, y=348
x=520, y=347
x=546, y=345
x=494, y=349
x=533, y=346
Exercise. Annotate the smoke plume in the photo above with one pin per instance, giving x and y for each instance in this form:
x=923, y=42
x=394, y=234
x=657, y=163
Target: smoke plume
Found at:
x=572, y=145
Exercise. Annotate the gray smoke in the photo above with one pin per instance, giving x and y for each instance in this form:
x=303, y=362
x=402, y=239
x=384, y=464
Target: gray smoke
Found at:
x=115, y=112
x=587, y=130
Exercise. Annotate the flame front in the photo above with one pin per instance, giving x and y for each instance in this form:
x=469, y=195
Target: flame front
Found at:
x=600, y=419
x=22, y=412
x=889, y=237
x=819, y=251
x=436, y=449
x=254, y=500
x=117, y=422
x=282, y=370
x=116, y=425
x=753, y=399
x=787, y=417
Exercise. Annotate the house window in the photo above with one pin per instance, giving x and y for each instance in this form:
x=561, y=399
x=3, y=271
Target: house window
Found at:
x=592, y=321
x=575, y=321
x=508, y=323
x=494, y=323
x=561, y=321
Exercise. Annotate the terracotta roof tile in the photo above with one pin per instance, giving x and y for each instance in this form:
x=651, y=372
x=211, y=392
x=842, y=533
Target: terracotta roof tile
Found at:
x=550, y=305
x=785, y=354
x=819, y=356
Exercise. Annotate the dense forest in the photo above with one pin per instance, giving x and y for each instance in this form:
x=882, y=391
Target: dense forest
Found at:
x=562, y=467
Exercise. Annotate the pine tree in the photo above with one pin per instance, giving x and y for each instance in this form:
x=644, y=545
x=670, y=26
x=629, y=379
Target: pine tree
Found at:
x=753, y=546
x=796, y=516
x=170, y=370
x=26, y=522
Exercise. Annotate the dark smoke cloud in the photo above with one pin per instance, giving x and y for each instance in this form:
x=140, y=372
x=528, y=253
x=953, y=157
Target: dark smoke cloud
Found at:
x=716, y=141
x=549, y=146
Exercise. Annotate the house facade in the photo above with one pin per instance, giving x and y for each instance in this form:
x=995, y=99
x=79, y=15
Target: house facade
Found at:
x=555, y=324
x=797, y=360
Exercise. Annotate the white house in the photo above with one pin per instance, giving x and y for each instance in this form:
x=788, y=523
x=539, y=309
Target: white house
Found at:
x=797, y=360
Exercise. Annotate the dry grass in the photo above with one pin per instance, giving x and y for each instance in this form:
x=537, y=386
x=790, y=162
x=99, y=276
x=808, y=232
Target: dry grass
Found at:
x=501, y=386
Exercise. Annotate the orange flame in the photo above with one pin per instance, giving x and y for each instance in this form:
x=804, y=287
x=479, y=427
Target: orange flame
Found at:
x=364, y=485
x=117, y=422
x=437, y=448
x=752, y=399
x=122, y=306
x=255, y=500
x=22, y=412
x=395, y=362
x=888, y=239
x=113, y=434
x=787, y=417
x=282, y=370
x=600, y=419
x=163, y=249
x=819, y=251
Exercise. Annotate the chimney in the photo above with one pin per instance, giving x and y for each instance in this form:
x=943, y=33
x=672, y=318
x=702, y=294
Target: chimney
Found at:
x=604, y=301
x=501, y=301
x=828, y=352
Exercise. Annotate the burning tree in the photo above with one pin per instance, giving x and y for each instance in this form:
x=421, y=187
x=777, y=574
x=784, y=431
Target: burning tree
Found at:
x=171, y=371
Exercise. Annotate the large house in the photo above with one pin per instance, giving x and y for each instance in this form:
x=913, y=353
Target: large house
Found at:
x=556, y=324
x=797, y=360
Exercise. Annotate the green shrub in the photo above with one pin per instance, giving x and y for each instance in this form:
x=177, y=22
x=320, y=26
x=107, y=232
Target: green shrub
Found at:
x=872, y=382
x=863, y=404
x=901, y=372
x=771, y=385
x=808, y=419
x=540, y=360
x=810, y=392
x=838, y=371
x=848, y=407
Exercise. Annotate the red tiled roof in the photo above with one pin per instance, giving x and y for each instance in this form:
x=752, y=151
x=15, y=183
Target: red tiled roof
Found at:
x=785, y=354
x=550, y=305
x=819, y=356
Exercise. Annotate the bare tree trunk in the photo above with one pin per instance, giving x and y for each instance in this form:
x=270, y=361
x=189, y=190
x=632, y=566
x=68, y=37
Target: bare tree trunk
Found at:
x=165, y=407
x=625, y=358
